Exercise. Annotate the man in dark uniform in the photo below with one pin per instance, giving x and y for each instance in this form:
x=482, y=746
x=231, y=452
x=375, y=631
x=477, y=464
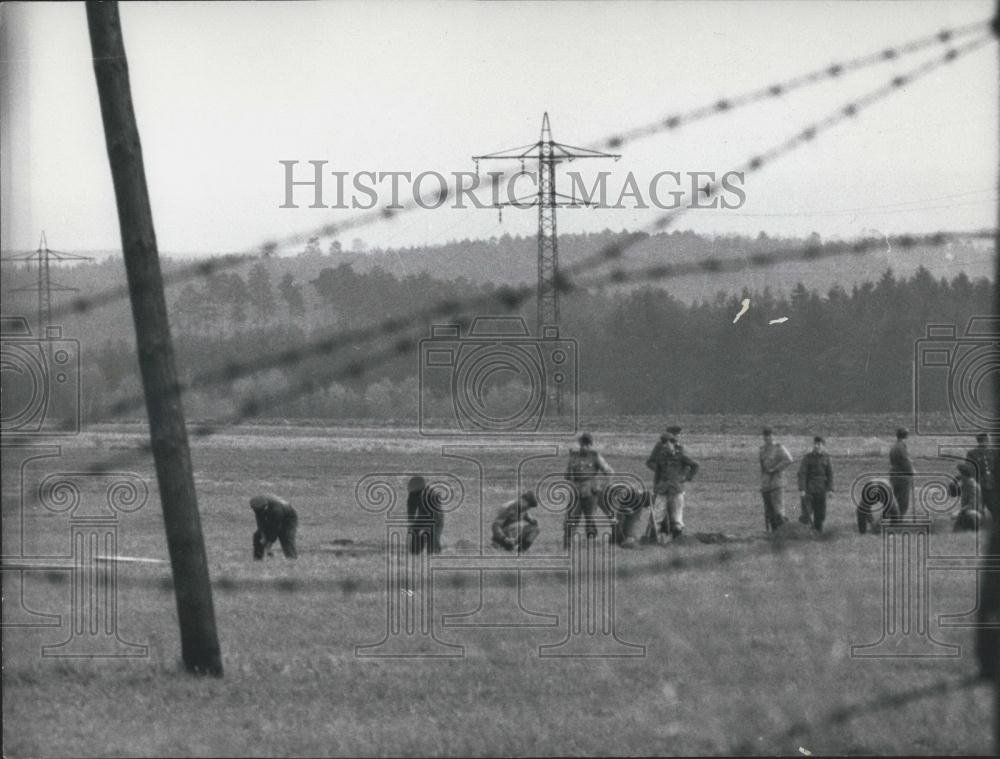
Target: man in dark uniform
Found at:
x=901, y=471
x=514, y=528
x=585, y=464
x=423, y=509
x=673, y=431
x=276, y=521
x=672, y=470
x=816, y=483
x=984, y=459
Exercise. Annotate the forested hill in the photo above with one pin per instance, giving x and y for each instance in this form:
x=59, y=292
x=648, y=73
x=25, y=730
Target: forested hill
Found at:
x=816, y=343
x=512, y=260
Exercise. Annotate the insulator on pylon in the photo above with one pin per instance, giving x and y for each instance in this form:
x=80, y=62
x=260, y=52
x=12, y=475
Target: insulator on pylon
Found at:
x=500, y=214
x=477, y=166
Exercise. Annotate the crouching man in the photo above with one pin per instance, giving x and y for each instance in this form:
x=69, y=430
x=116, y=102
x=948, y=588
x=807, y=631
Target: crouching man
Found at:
x=878, y=504
x=630, y=508
x=276, y=521
x=514, y=528
x=971, y=513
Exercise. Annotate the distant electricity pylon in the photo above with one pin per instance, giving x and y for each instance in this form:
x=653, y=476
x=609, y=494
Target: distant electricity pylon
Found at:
x=548, y=153
x=44, y=285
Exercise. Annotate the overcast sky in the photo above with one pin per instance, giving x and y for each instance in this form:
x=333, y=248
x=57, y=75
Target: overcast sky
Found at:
x=225, y=91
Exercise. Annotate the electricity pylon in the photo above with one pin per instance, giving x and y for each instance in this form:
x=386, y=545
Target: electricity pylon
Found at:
x=44, y=285
x=548, y=153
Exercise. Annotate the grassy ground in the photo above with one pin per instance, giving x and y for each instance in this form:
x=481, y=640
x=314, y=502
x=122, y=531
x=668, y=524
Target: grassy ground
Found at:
x=748, y=645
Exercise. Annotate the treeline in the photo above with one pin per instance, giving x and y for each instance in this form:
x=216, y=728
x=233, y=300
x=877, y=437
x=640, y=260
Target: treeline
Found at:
x=282, y=290
x=640, y=352
x=809, y=352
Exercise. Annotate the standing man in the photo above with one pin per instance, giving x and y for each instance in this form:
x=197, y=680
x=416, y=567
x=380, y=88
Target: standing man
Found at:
x=650, y=536
x=815, y=483
x=672, y=469
x=900, y=472
x=585, y=464
x=774, y=459
x=423, y=509
x=984, y=459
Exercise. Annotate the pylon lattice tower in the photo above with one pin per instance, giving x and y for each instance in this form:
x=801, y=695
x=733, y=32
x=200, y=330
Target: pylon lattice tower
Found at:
x=549, y=154
x=44, y=285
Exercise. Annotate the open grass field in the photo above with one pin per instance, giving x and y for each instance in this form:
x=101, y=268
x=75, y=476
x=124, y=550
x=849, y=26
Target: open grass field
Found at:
x=747, y=643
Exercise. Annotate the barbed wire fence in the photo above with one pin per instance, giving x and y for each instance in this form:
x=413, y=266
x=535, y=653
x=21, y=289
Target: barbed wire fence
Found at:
x=403, y=333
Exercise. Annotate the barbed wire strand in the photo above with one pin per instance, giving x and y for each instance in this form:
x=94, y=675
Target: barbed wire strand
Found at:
x=675, y=559
x=891, y=700
x=807, y=135
x=773, y=544
x=832, y=71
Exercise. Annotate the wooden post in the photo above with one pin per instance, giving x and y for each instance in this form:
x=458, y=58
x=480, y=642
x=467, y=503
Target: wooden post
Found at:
x=199, y=641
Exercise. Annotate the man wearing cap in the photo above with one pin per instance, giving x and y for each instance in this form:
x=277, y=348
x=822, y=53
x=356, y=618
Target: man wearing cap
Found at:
x=585, y=464
x=984, y=459
x=901, y=471
x=672, y=469
x=650, y=535
x=514, y=528
x=815, y=484
x=423, y=509
x=774, y=459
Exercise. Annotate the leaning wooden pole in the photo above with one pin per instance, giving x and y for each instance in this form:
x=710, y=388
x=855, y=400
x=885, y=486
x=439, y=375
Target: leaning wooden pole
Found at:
x=199, y=640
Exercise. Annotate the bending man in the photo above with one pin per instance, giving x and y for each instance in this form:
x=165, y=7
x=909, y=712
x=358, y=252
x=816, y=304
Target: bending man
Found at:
x=276, y=520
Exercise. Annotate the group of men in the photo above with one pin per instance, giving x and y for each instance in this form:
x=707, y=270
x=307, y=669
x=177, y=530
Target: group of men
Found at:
x=640, y=518
x=976, y=484
x=815, y=479
x=658, y=517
